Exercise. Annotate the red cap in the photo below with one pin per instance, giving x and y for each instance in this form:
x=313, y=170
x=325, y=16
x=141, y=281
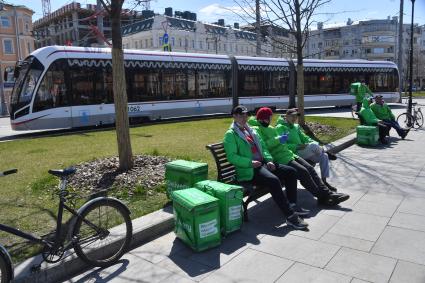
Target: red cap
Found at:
x=264, y=113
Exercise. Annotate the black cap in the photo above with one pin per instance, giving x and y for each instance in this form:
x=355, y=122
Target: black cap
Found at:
x=240, y=109
x=378, y=96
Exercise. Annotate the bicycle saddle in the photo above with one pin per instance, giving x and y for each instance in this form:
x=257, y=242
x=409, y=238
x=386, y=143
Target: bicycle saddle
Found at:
x=63, y=172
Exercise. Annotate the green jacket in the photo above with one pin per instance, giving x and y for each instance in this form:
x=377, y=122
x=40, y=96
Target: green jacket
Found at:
x=367, y=114
x=359, y=91
x=280, y=152
x=238, y=152
x=382, y=112
x=296, y=134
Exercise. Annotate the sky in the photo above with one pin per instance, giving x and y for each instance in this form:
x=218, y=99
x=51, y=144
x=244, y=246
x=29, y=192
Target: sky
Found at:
x=336, y=12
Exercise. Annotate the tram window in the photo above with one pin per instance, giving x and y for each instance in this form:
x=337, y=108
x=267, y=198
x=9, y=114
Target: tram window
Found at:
x=180, y=85
x=218, y=84
x=52, y=91
x=86, y=88
x=168, y=85
x=191, y=84
x=251, y=83
x=108, y=86
x=136, y=87
x=311, y=83
x=325, y=83
x=203, y=83
x=381, y=82
x=279, y=83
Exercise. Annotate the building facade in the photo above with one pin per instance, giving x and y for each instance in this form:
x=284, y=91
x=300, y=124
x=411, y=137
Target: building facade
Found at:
x=16, y=42
x=189, y=35
x=369, y=40
x=78, y=25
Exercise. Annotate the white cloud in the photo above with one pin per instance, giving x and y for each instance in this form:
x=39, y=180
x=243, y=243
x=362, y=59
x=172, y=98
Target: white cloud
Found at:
x=215, y=11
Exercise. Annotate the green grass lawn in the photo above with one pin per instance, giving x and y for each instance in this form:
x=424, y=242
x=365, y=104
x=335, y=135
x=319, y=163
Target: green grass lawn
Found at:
x=415, y=94
x=27, y=201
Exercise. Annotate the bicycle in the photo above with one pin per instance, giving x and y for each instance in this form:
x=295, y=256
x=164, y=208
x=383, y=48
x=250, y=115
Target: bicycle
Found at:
x=93, y=226
x=415, y=120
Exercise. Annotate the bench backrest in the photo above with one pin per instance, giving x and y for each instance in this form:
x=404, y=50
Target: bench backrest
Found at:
x=225, y=171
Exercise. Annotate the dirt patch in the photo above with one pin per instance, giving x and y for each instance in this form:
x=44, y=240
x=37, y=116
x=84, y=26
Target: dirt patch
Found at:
x=103, y=174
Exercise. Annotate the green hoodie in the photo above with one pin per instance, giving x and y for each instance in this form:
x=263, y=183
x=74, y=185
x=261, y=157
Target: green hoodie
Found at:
x=367, y=114
x=382, y=112
x=296, y=134
x=280, y=152
x=359, y=90
x=238, y=152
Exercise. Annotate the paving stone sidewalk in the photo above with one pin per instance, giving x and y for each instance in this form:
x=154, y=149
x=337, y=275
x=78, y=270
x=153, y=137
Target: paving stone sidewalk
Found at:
x=378, y=235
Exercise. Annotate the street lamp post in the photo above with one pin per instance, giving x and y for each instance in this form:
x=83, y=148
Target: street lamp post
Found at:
x=409, y=105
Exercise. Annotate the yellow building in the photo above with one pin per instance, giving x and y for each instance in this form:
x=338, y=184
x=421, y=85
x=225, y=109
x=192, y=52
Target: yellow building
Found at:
x=16, y=43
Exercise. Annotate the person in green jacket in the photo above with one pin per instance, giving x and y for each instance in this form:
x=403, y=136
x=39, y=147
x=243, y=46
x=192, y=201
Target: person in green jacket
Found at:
x=277, y=146
x=384, y=113
x=304, y=146
x=253, y=163
x=361, y=91
x=368, y=118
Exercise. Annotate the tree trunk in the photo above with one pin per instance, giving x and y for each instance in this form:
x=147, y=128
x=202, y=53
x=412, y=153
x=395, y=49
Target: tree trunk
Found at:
x=119, y=88
x=300, y=67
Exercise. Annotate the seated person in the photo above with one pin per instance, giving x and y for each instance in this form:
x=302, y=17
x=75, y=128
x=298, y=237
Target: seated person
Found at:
x=369, y=119
x=304, y=146
x=253, y=163
x=384, y=113
x=277, y=147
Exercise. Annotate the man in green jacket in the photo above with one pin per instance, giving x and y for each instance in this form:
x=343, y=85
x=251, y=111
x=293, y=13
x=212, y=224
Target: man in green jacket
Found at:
x=360, y=89
x=368, y=118
x=253, y=163
x=277, y=146
x=384, y=113
x=304, y=146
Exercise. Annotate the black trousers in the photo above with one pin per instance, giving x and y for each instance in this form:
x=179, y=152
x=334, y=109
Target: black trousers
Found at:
x=383, y=129
x=359, y=106
x=309, y=178
x=271, y=179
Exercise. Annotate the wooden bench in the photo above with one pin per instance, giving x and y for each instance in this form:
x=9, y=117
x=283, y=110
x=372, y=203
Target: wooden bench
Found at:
x=226, y=174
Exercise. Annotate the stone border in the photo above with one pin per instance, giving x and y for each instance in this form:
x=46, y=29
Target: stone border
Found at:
x=145, y=228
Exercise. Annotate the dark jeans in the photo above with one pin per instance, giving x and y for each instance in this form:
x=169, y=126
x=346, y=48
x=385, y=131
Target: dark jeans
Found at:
x=394, y=124
x=384, y=130
x=309, y=178
x=265, y=177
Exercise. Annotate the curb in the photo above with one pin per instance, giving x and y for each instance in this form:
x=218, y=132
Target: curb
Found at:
x=145, y=228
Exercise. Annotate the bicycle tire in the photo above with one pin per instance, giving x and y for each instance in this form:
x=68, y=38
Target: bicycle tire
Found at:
x=5, y=276
x=405, y=120
x=419, y=120
x=97, y=255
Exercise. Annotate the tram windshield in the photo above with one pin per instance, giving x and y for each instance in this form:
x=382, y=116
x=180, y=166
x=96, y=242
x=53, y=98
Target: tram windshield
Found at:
x=29, y=73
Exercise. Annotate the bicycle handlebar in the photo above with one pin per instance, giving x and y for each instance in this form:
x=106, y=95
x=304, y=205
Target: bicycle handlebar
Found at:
x=8, y=172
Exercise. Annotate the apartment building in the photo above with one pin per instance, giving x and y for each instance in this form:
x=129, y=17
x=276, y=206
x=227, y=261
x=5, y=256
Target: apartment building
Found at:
x=186, y=34
x=369, y=40
x=16, y=42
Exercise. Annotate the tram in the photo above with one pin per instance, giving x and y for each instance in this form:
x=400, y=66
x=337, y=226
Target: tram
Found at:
x=66, y=87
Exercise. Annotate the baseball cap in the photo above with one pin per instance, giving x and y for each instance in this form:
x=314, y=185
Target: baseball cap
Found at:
x=378, y=96
x=292, y=111
x=240, y=109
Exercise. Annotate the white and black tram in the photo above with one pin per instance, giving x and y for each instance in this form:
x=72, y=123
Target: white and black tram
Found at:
x=65, y=87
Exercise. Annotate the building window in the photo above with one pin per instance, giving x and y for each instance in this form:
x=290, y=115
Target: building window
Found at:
x=193, y=44
x=5, y=21
x=200, y=45
x=136, y=45
x=29, y=47
x=27, y=26
x=180, y=42
x=151, y=45
x=173, y=41
x=8, y=46
x=146, y=45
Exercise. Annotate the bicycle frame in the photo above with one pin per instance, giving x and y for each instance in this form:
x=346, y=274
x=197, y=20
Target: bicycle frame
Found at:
x=57, y=240
x=5, y=255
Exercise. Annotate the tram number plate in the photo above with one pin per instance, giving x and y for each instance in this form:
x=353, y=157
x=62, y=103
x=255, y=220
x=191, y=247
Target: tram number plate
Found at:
x=134, y=108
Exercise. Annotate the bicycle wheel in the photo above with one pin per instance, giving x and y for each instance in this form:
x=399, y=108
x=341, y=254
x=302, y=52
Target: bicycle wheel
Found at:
x=419, y=120
x=100, y=242
x=5, y=275
x=405, y=120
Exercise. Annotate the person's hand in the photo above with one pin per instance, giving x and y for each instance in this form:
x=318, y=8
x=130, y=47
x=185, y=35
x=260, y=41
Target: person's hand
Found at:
x=301, y=146
x=283, y=138
x=271, y=166
x=256, y=163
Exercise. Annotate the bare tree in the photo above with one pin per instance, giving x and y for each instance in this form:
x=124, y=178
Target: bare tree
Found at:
x=114, y=9
x=296, y=16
